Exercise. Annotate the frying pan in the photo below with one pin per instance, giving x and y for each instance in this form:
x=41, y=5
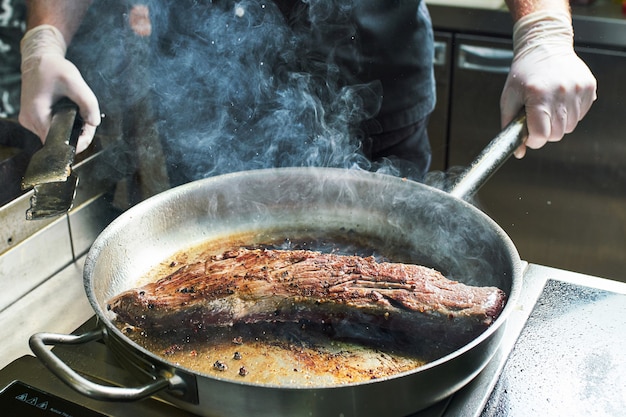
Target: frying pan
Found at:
x=429, y=226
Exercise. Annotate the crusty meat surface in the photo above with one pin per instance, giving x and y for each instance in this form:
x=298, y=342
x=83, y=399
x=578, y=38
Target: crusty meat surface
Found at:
x=263, y=285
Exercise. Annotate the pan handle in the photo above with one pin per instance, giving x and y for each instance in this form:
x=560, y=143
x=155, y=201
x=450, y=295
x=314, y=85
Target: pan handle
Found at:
x=38, y=343
x=491, y=158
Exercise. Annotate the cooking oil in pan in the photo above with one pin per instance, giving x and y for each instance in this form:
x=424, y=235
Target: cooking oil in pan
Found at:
x=285, y=354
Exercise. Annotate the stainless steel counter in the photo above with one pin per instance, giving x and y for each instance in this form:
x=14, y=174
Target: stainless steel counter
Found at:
x=32, y=251
x=57, y=305
x=41, y=261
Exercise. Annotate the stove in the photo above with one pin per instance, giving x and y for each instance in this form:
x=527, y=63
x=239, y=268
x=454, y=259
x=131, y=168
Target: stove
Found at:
x=561, y=354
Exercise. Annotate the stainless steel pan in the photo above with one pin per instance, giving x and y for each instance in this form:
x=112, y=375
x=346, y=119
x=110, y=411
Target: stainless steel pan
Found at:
x=430, y=226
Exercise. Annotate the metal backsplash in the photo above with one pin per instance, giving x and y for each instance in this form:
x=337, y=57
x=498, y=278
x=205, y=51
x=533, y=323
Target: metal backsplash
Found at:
x=31, y=251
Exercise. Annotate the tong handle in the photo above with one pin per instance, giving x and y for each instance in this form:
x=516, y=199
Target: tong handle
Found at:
x=65, y=125
x=53, y=162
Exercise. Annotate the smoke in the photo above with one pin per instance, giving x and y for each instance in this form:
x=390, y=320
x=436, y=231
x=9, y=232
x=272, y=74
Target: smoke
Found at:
x=232, y=85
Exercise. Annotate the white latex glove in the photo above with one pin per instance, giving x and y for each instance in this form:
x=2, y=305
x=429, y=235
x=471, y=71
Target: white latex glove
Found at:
x=547, y=78
x=47, y=77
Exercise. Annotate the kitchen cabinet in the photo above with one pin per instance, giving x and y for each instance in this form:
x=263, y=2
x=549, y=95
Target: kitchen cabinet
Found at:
x=565, y=204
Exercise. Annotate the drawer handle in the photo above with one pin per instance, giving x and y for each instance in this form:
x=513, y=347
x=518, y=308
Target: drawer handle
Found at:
x=479, y=58
x=440, y=53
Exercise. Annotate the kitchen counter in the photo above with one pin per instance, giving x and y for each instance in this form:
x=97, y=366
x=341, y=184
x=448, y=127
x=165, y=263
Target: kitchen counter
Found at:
x=567, y=358
x=599, y=24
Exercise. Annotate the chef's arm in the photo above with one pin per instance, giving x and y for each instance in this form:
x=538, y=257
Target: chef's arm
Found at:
x=547, y=77
x=65, y=15
x=520, y=8
x=46, y=75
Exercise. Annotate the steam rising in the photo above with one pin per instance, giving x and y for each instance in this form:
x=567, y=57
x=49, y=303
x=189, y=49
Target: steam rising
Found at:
x=235, y=86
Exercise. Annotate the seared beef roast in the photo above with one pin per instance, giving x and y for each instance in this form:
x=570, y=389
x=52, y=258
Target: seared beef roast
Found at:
x=262, y=285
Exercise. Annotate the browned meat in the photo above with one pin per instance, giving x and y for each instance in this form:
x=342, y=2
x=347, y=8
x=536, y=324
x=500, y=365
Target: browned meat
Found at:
x=261, y=285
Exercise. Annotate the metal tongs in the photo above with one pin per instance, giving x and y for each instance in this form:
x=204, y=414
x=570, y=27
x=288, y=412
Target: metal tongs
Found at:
x=50, y=171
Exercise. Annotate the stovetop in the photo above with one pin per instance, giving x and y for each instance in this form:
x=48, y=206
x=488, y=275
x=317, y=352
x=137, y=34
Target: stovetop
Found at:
x=570, y=358
x=562, y=354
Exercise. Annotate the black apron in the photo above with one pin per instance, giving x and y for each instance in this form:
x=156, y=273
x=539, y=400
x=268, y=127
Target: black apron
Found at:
x=12, y=26
x=387, y=45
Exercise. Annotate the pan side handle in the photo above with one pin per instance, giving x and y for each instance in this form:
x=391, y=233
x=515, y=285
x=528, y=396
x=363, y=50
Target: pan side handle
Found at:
x=491, y=158
x=74, y=380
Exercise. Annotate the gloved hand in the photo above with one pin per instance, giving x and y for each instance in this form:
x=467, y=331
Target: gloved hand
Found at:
x=47, y=77
x=548, y=78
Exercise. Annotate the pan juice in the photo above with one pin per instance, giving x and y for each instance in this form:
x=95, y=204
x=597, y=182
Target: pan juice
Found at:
x=285, y=354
